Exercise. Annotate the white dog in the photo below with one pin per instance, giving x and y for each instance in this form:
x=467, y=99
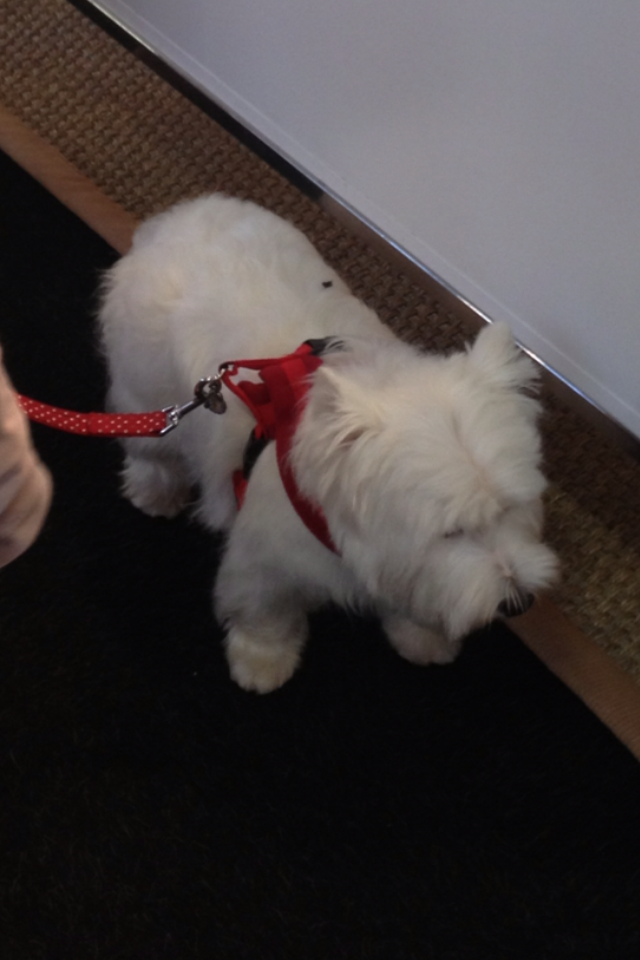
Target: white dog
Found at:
x=425, y=468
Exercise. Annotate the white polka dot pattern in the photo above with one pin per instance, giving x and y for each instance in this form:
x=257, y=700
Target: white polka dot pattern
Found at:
x=95, y=424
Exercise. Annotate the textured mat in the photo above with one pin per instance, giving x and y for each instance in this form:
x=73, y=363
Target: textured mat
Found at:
x=147, y=146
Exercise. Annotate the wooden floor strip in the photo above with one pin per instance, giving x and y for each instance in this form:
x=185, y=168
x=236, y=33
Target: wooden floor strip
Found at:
x=575, y=659
x=585, y=668
x=63, y=180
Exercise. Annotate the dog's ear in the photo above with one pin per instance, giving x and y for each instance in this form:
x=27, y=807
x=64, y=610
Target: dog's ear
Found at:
x=496, y=355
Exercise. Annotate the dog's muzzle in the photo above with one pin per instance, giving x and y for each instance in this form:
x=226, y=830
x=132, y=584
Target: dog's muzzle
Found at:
x=516, y=605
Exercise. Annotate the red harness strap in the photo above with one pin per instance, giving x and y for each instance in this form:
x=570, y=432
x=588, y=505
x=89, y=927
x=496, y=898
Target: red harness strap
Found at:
x=277, y=404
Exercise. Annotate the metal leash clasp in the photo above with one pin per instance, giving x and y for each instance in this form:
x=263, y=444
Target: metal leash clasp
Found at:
x=207, y=392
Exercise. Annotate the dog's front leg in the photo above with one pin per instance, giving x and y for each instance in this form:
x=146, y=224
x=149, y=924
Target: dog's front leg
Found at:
x=264, y=655
x=266, y=625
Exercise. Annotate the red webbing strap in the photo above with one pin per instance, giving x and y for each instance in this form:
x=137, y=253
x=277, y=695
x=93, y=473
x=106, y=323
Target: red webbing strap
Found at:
x=240, y=484
x=95, y=424
x=277, y=404
x=283, y=386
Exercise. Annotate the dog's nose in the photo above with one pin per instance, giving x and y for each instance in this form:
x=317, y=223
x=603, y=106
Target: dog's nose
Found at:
x=515, y=605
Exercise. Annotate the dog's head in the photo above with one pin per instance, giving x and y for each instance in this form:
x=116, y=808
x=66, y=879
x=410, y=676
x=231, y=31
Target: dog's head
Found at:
x=428, y=471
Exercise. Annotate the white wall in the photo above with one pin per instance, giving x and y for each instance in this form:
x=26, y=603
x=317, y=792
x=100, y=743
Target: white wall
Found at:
x=496, y=141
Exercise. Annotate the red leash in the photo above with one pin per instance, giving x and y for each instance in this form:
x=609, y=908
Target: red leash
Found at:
x=157, y=423
x=95, y=424
x=276, y=404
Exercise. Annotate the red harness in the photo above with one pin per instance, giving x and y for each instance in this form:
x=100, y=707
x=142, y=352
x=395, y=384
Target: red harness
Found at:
x=276, y=403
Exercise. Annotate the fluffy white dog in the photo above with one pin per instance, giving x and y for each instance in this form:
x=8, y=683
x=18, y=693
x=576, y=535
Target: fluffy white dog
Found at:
x=426, y=468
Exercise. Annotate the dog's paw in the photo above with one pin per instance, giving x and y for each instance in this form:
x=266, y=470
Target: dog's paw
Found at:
x=154, y=488
x=418, y=644
x=260, y=666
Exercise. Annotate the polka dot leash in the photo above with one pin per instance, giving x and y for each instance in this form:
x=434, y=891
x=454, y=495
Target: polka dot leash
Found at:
x=95, y=424
x=157, y=423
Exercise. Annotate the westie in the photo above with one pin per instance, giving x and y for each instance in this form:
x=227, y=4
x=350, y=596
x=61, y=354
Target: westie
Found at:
x=422, y=471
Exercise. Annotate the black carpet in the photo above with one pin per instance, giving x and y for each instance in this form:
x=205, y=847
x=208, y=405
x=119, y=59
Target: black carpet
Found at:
x=370, y=809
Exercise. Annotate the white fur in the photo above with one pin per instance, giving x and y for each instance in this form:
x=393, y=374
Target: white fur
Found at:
x=426, y=467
